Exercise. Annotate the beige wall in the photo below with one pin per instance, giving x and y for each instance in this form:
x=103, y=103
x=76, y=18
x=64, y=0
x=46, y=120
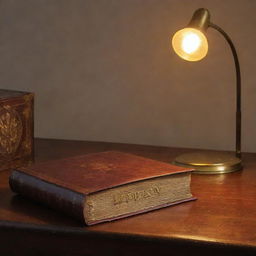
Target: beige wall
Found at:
x=103, y=70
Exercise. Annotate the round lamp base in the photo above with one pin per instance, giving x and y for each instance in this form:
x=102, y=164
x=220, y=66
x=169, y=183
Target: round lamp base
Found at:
x=210, y=162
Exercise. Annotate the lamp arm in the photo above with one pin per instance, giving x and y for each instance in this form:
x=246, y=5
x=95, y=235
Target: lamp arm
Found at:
x=238, y=88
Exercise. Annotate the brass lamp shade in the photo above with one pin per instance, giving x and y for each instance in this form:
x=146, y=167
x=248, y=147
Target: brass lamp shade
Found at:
x=191, y=44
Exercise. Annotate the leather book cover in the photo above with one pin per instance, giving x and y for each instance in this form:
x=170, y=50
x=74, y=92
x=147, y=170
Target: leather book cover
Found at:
x=65, y=184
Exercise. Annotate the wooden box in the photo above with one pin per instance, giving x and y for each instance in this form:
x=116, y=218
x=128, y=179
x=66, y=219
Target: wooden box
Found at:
x=16, y=128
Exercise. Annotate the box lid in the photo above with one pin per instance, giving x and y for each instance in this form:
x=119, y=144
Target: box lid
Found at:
x=7, y=94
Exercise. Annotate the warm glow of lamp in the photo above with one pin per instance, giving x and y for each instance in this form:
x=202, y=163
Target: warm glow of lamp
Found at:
x=190, y=44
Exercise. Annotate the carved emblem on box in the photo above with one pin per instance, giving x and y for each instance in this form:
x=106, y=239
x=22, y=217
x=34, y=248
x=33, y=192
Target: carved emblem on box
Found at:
x=10, y=131
x=16, y=128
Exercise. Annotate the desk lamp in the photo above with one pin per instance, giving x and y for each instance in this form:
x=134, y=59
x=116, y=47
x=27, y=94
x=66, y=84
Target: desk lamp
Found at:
x=191, y=44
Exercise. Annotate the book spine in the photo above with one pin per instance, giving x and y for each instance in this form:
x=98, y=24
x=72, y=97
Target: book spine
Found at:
x=54, y=196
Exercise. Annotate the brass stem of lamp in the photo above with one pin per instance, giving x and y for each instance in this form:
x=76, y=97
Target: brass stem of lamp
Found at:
x=214, y=162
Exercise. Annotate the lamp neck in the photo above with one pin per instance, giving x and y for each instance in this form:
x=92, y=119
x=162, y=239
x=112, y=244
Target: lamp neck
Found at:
x=238, y=88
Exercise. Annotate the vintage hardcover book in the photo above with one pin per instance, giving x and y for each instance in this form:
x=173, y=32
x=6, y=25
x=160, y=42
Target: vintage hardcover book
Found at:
x=16, y=128
x=103, y=186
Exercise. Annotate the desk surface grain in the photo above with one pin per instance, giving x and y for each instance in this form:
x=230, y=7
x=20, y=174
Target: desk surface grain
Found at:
x=221, y=221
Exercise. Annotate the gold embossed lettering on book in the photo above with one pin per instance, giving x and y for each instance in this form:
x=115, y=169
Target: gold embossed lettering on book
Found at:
x=103, y=186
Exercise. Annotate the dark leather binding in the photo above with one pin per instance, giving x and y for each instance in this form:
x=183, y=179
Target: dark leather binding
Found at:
x=54, y=196
x=63, y=184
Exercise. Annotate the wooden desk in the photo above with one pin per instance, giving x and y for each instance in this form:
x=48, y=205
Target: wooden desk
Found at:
x=221, y=222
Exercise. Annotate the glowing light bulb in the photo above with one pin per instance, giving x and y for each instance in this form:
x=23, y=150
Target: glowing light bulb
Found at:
x=190, y=44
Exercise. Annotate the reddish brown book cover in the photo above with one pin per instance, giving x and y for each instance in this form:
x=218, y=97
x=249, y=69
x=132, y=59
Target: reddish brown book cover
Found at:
x=103, y=186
